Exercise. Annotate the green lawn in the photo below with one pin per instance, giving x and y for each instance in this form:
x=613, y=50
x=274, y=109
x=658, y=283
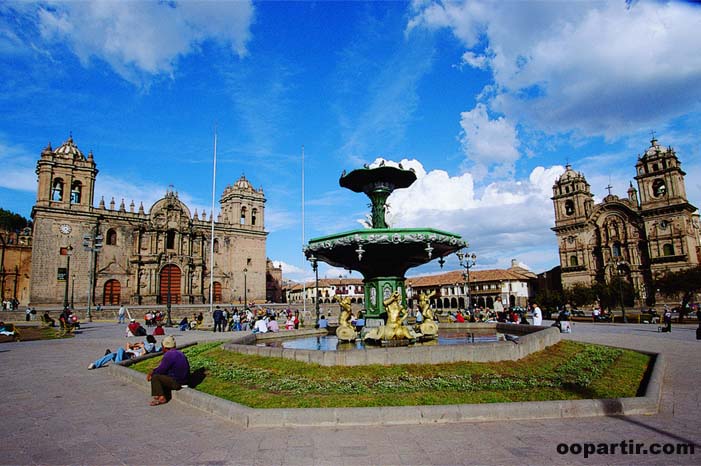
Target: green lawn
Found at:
x=568, y=370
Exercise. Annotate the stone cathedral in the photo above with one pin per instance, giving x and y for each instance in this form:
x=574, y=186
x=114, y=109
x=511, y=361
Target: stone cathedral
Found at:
x=147, y=257
x=653, y=230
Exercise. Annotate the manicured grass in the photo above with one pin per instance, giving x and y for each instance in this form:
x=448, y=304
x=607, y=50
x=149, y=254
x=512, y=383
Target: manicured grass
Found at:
x=568, y=370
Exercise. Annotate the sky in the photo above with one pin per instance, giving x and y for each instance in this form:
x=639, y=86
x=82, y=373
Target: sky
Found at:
x=487, y=101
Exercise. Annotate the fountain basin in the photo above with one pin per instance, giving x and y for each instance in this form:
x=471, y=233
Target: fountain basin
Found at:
x=531, y=340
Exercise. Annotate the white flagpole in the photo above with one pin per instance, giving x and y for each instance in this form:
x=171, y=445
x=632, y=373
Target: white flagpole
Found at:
x=211, y=213
x=304, y=281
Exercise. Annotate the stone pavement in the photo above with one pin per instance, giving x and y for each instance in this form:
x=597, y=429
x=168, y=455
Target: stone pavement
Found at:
x=58, y=412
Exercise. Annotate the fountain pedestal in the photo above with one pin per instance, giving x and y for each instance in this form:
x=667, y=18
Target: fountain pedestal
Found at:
x=382, y=254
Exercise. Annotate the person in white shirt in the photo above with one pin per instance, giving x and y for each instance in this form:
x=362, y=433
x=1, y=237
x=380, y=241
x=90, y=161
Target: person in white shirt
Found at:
x=261, y=326
x=537, y=315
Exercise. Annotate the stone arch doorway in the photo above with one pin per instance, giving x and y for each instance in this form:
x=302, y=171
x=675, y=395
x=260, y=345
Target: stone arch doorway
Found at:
x=170, y=281
x=112, y=293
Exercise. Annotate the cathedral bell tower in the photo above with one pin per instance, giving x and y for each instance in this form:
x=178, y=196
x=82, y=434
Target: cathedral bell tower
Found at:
x=66, y=178
x=572, y=199
x=672, y=229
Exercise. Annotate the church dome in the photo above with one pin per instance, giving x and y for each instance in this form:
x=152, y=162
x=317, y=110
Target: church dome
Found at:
x=69, y=150
x=244, y=184
x=569, y=174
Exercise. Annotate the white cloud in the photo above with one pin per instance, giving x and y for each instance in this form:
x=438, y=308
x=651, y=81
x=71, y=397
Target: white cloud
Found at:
x=144, y=38
x=595, y=68
x=480, y=62
x=488, y=141
x=509, y=219
x=18, y=167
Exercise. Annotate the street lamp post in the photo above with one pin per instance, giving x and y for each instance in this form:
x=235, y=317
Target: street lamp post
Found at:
x=315, y=267
x=467, y=261
x=621, y=271
x=92, y=243
x=245, y=288
x=69, y=253
x=72, y=288
x=169, y=322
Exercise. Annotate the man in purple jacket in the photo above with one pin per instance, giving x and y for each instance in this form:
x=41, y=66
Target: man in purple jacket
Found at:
x=171, y=374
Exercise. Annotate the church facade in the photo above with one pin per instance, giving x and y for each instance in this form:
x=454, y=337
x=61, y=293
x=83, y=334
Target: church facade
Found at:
x=651, y=231
x=119, y=254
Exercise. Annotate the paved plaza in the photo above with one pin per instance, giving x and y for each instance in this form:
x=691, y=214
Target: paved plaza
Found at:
x=58, y=412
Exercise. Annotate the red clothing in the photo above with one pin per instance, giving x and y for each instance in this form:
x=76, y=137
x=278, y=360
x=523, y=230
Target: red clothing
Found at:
x=134, y=327
x=459, y=318
x=159, y=331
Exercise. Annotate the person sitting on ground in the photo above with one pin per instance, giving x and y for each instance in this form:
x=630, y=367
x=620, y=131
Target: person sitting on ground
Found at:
x=200, y=319
x=159, y=329
x=184, y=324
x=273, y=325
x=260, y=326
x=323, y=323
x=459, y=318
x=48, y=319
x=130, y=350
x=171, y=374
x=134, y=329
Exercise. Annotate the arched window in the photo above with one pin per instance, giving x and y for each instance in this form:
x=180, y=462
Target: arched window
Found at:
x=111, y=237
x=76, y=190
x=215, y=246
x=659, y=188
x=569, y=207
x=254, y=213
x=243, y=216
x=170, y=239
x=573, y=261
x=668, y=250
x=57, y=190
x=616, y=250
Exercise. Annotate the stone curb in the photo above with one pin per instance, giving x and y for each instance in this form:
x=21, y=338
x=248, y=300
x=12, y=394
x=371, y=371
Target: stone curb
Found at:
x=246, y=417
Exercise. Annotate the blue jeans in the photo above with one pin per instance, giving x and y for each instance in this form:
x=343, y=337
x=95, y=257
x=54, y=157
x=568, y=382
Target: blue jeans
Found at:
x=116, y=357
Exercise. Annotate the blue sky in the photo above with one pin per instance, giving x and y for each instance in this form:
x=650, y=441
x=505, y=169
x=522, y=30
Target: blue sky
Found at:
x=486, y=100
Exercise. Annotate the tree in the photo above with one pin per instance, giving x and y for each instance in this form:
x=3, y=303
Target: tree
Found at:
x=10, y=221
x=686, y=282
x=549, y=299
x=579, y=295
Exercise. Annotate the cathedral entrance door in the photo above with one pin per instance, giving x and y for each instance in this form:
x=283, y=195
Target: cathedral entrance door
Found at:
x=112, y=294
x=170, y=280
x=217, y=292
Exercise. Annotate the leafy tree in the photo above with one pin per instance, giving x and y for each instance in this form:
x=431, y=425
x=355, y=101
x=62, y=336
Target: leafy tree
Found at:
x=549, y=299
x=686, y=282
x=10, y=221
x=579, y=295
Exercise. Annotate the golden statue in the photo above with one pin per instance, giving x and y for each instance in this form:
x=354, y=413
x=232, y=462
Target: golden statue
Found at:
x=345, y=330
x=393, y=329
x=428, y=327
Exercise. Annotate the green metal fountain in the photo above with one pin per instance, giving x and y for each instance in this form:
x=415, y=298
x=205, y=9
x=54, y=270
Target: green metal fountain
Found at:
x=381, y=254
